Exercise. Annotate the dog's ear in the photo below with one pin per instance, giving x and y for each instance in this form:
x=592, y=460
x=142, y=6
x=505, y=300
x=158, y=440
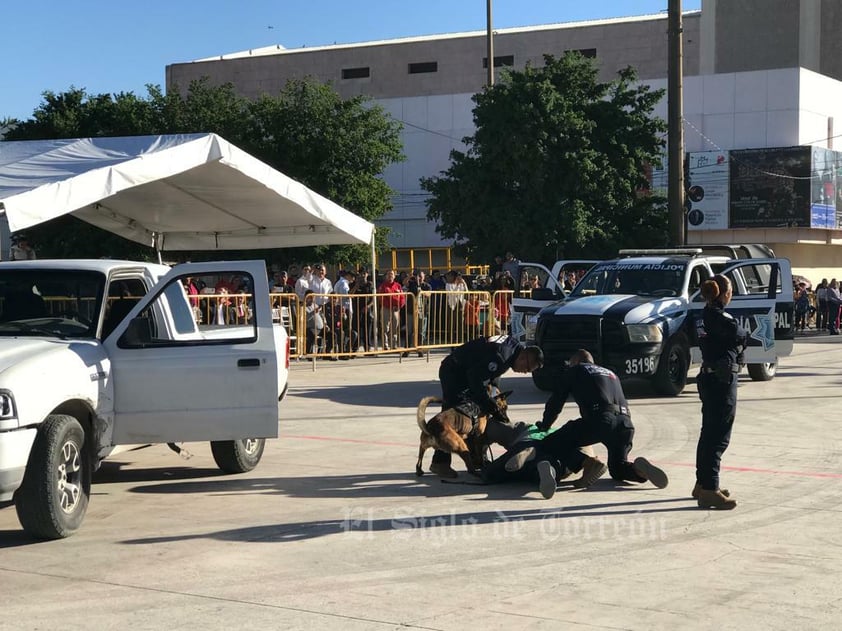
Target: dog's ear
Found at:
x=504, y=395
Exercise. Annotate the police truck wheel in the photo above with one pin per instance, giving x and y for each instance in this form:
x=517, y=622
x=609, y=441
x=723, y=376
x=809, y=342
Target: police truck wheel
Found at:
x=762, y=372
x=53, y=498
x=671, y=376
x=237, y=456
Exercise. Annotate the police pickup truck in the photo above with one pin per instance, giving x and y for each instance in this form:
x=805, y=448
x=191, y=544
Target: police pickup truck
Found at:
x=100, y=356
x=636, y=314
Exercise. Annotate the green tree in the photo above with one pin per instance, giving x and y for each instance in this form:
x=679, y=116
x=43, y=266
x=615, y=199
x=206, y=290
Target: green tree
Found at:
x=338, y=148
x=556, y=166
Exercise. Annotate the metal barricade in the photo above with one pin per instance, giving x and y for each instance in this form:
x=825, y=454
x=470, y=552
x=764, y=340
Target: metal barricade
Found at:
x=340, y=326
x=451, y=318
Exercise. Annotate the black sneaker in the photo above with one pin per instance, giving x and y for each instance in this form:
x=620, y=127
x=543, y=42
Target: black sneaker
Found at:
x=546, y=475
x=655, y=475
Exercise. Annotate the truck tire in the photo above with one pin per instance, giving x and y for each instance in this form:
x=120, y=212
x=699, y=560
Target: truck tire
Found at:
x=238, y=456
x=671, y=376
x=762, y=372
x=53, y=497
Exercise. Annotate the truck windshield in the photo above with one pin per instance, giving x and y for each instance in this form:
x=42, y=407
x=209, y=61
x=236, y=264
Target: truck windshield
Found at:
x=636, y=279
x=56, y=303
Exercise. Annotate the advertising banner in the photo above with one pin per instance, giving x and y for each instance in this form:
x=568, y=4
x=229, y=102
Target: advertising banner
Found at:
x=770, y=188
x=823, y=197
x=707, y=191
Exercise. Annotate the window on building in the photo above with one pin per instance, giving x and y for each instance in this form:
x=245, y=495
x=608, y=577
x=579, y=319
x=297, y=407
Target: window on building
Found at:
x=503, y=60
x=424, y=66
x=590, y=53
x=356, y=73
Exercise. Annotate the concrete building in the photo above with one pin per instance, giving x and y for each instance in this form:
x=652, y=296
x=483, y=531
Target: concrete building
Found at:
x=758, y=73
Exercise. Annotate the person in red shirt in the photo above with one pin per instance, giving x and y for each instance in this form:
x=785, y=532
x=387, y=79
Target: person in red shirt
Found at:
x=503, y=286
x=391, y=308
x=472, y=309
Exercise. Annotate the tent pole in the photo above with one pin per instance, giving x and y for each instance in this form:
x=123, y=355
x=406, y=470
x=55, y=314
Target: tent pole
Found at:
x=374, y=285
x=156, y=237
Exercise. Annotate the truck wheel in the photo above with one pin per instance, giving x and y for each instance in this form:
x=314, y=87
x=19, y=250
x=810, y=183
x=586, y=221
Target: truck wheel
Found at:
x=762, y=372
x=671, y=376
x=238, y=456
x=543, y=380
x=53, y=498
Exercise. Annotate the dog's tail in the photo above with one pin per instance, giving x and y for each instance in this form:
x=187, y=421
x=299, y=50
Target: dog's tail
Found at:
x=421, y=416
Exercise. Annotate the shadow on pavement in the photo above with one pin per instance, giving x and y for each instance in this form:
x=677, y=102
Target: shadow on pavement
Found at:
x=634, y=518
x=374, y=485
x=113, y=471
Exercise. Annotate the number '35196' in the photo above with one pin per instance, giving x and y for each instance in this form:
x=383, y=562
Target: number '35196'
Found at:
x=640, y=365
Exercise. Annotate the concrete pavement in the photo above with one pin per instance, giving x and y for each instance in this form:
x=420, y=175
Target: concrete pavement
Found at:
x=334, y=531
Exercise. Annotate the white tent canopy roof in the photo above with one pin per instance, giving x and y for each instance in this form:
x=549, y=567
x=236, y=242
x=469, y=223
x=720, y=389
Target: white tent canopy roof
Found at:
x=179, y=192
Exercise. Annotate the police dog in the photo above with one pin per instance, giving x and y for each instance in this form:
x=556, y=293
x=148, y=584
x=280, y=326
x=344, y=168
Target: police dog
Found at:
x=449, y=430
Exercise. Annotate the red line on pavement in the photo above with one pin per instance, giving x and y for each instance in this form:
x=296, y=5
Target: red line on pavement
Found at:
x=803, y=474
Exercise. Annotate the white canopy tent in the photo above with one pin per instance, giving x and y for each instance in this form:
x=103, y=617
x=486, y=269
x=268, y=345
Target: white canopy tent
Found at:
x=178, y=192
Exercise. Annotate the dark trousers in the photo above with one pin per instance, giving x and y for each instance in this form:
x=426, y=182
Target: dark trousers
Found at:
x=821, y=315
x=719, y=407
x=615, y=431
x=832, y=317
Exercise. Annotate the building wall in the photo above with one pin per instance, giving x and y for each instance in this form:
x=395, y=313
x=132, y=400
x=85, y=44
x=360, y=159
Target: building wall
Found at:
x=640, y=42
x=756, y=34
x=830, y=40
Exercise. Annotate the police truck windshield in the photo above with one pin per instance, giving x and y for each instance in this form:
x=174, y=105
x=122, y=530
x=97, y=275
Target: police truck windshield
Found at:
x=637, y=279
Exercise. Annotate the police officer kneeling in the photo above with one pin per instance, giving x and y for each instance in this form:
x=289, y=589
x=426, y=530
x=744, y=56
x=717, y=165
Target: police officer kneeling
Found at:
x=605, y=419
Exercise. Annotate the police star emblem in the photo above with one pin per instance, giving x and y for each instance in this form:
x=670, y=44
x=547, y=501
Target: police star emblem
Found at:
x=764, y=332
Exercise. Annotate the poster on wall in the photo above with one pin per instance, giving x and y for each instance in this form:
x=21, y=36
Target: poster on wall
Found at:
x=823, y=197
x=838, y=182
x=770, y=188
x=707, y=190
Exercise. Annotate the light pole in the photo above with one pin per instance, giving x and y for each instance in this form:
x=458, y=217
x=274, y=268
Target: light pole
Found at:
x=489, y=43
x=675, y=126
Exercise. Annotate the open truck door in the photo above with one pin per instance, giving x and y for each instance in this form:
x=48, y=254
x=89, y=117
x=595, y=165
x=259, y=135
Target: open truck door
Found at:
x=170, y=354
x=762, y=302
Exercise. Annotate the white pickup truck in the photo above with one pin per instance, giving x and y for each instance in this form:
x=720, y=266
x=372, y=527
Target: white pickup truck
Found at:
x=97, y=356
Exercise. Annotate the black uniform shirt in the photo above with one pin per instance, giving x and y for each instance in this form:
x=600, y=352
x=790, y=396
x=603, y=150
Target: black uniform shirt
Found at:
x=720, y=336
x=479, y=363
x=593, y=387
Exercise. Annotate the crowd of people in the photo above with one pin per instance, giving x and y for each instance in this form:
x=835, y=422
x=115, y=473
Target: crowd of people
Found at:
x=819, y=309
x=340, y=314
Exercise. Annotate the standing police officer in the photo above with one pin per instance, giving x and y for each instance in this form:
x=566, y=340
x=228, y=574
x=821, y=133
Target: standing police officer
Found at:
x=465, y=377
x=721, y=341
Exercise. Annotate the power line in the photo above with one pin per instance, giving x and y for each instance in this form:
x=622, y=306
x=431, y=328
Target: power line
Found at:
x=751, y=166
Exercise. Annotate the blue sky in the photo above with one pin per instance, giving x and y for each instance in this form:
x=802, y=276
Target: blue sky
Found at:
x=111, y=46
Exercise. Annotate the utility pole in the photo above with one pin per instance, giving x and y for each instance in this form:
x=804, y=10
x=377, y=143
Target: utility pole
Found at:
x=675, y=142
x=490, y=44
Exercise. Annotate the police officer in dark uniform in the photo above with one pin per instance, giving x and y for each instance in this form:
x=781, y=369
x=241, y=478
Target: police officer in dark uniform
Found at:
x=721, y=340
x=605, y=419
x=465, y=377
